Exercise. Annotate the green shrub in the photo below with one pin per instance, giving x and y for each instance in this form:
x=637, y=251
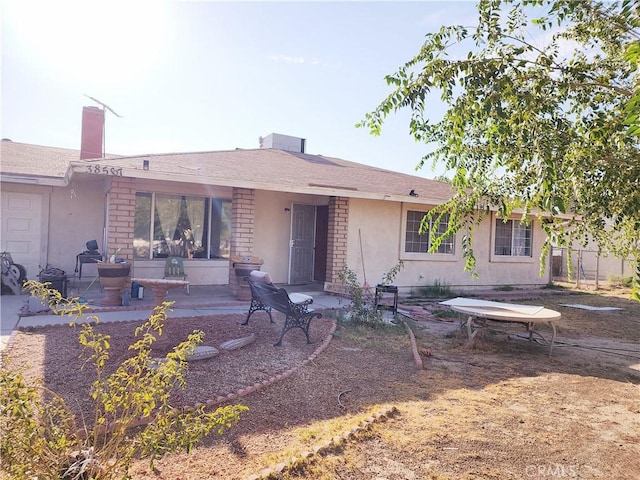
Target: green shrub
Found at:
x=362, y=310
x=436, y=290
x=132, y=417
x=442, y=313
x=390, y=276
x=619, y=281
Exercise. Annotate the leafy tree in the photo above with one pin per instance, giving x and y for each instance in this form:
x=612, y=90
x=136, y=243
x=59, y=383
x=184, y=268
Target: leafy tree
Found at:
x=133, y=417
x=542, y=116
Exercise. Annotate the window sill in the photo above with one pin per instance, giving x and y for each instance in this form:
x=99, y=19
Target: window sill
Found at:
x=510, y=259
x=429, y=257
x=185, y=260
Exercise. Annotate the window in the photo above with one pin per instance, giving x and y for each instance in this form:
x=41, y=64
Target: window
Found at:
x=513, y=238
x=420, y=243
x=181, y=226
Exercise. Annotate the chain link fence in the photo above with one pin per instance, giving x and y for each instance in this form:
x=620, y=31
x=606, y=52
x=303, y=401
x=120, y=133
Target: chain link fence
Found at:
x=587, y=267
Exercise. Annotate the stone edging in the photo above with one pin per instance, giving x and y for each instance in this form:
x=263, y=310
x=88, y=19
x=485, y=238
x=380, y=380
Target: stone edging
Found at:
x=98, y=309
x=260, y=385
x=210, y=404
x=222, y=398
x=8, y=346
x=305, y=457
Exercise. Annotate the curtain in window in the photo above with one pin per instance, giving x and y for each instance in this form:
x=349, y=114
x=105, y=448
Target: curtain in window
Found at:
x=181, y=226
x=503, y=237
x=521, y=240
x=168, y=213
x=195, y=211
x=414, y=241
x=142, y=226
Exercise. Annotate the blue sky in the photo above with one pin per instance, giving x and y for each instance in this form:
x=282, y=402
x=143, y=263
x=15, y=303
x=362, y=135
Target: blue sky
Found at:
x=198, y=76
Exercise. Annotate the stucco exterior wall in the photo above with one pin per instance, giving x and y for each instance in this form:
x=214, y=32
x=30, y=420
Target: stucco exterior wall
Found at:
x=273, y=227
x=377, y=225
x=75, y=214
x=380, y=225
x=70, y=216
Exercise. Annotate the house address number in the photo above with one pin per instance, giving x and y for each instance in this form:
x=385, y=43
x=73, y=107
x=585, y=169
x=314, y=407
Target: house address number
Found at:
x=101, y=170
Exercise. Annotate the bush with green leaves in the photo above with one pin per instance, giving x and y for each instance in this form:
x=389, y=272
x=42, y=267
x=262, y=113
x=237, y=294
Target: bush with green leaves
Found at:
x=363, y=297
x=362, y=308
x=390, y=276
x=133, y=418
x=436, y=290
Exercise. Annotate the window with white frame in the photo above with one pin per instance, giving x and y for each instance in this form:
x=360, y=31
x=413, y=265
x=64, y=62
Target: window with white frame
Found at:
x=513, y=238
x=181, y=226
x=416, y=242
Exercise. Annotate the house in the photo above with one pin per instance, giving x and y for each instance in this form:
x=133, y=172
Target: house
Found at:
x=306, y=216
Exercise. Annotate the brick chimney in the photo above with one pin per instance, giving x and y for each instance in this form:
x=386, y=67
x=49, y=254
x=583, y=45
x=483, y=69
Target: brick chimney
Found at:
x=92, y=132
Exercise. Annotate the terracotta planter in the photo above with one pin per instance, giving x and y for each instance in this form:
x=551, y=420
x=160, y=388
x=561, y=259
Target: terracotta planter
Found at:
x=113, y=269
x=243, y=267
x=113, y=278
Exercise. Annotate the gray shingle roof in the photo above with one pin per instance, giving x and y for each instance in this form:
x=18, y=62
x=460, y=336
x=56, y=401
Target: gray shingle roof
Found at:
x=35, y=160
x=258, y=168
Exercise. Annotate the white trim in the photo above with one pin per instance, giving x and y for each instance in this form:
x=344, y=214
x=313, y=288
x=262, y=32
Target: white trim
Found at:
x=290, y=243
x=493, y=258
x=420, y=256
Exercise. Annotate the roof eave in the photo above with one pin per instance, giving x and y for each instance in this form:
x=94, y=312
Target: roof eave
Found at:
x=337, y=191
x=34, y=180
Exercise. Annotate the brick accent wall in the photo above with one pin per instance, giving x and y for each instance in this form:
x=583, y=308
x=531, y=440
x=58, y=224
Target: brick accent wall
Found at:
x=122, y=211
x=243, y=214
x=337, y=237
x=243, y=221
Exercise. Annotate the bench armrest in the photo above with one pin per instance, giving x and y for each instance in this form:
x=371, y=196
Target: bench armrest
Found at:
x=300, y=298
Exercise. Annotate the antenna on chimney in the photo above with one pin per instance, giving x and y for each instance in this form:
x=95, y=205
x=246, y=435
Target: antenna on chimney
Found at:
x=104, y=108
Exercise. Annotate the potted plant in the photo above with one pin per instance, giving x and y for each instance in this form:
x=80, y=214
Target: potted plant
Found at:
x=114, y=276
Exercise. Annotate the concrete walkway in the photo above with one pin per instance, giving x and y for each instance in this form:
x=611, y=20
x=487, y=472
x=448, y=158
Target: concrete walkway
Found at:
x=20, y=311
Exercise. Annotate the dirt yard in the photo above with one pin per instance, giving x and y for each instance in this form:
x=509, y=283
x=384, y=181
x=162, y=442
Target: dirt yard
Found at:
x=501, y=409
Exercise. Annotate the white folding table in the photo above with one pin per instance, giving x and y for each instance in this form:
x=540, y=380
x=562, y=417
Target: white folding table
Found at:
x=527, y=315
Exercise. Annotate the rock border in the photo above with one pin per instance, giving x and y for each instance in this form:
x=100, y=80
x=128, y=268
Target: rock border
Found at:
x=214, y=403
x=308, y=456
x=210, y=404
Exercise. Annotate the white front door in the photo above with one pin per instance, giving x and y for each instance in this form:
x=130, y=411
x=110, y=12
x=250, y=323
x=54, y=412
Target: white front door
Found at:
x=21, y=229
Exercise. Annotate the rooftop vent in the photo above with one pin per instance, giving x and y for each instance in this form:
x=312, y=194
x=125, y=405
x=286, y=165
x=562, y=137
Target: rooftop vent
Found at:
x=283, y=142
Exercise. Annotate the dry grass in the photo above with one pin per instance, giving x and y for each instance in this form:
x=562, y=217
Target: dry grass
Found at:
x=500, y=410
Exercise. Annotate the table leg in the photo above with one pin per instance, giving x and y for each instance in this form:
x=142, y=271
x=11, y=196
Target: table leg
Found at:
x=470, y=333
x=553, y=338
x=395, y=302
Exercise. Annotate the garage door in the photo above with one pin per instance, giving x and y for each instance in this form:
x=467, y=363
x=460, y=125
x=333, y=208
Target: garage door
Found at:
x=21, y=229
